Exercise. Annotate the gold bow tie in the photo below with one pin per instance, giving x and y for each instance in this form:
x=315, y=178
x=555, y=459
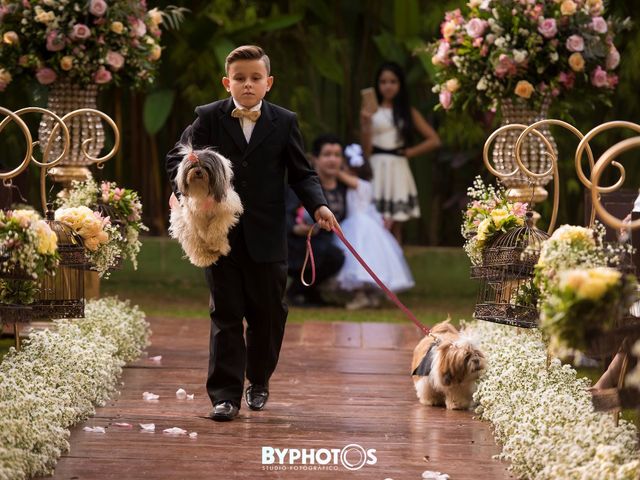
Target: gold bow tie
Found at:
x=252, y=115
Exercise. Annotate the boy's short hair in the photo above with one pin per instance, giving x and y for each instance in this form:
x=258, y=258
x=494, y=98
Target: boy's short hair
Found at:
x=247, y=52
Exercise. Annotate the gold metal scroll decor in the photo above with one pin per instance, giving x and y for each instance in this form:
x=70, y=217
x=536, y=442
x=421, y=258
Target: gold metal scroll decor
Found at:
x=588, y=181
x=60, y=124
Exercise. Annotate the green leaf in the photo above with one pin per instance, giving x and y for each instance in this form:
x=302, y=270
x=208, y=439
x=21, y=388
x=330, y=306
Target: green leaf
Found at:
x=157, y=107
x=280, y=22
x=222, y=48
x=389, y=48
x=406, y=18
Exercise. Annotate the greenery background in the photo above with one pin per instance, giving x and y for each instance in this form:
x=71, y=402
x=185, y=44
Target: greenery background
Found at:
x=323, y=52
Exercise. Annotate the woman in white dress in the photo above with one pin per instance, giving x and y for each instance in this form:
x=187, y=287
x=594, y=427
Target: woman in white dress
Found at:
x=363, y=227
x=387, y=137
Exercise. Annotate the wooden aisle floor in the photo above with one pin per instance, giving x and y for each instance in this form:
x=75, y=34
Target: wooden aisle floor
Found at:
x=337, y=384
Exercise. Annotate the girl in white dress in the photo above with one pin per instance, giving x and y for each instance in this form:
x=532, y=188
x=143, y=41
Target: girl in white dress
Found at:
x=387, y=137
x=363, y=227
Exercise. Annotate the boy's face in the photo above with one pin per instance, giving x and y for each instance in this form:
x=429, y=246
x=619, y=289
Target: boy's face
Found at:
x=248, y=82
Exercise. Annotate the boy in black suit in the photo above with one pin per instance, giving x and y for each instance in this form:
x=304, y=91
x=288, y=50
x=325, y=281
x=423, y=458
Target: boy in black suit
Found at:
x=264, y=144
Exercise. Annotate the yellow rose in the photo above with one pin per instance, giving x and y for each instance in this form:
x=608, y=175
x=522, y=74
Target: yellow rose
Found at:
x=449, y=29
x=568, y=7
x=117, y=27
x=156, y=53
x=44, y=17
x=499, y=216
x=608, y=275
x=592, y=289
x=595, y=7
x=576, y=62
x=452, y=85
x=524, y=89
x=155, y=16
x=66, y=63
x=483, y=229
x=573, y=279
x=10, y=38
x=5, y=77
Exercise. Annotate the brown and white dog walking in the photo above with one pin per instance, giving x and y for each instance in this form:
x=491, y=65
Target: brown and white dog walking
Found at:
x=446, y=364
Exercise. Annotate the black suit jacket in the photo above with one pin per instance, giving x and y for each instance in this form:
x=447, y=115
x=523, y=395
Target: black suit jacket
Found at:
x=262, y=168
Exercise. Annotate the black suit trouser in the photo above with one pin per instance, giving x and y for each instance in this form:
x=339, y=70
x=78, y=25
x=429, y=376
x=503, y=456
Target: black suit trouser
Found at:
x=242, y=288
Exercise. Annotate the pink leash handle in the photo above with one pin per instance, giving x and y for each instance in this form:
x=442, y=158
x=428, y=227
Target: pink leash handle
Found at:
x=392, y=296
x=309, y=256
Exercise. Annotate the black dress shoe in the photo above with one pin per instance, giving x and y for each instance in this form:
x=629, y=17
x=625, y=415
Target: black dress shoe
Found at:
x=224, y=411
x=256, y=396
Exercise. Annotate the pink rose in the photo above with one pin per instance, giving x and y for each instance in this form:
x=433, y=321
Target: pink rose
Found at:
x=505, y=67
x=599, y=78
x=575, y=43
x=475, y=27
x=547, y=27
x=98, y=7
x=567, y=79
x=613, y=58
x=46, y=76
x=612, y=79
x=138, y=27
x=441, y=56
x=55, y=41
x=445, y=99
x=102, y=76
x=115, y=60
x=599, y=24
x=555, y=92
x=80, y=31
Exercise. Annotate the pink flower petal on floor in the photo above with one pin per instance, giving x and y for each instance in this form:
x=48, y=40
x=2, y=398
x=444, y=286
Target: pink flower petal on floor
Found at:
x=174, y=431
x=190, y=396
x=193, y=435
x=181, y=394
x=123, y=425
x=148, y=427
x=156, y=359
x=95, y=429
x=150, y=396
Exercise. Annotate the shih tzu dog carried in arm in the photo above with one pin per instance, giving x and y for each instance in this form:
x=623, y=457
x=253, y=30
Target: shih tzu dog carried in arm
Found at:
x=209, y=206
x=445, y=366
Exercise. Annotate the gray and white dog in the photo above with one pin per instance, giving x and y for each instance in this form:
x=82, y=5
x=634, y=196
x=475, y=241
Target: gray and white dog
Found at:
x=209, y=206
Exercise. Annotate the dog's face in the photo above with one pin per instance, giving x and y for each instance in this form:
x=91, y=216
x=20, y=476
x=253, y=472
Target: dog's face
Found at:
x=460, y=361
x=204, y=173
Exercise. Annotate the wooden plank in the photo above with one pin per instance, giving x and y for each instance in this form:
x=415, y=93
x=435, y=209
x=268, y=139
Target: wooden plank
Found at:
x=355, y=388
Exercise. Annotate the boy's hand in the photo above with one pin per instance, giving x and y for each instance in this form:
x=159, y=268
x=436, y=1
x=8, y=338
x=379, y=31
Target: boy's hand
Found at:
x=326, y=219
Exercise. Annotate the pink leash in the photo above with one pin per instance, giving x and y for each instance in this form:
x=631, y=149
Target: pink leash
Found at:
x=392, y=296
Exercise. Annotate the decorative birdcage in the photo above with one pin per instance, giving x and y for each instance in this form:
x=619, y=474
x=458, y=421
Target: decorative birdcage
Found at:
x=62, y=295
x=507, y=294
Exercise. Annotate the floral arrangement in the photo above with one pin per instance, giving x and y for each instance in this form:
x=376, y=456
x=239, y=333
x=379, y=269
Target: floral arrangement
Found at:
x=125, y=204
x=56, y=380
x=525, y=50
x=28, y=246
x=83, y=41
x=488, y=213
x=579, y=294
x=584, y=302
x=101, y=239
x=542, y=414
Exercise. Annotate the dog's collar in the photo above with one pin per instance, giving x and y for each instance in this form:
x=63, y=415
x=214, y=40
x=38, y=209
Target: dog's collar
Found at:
x=424, y=368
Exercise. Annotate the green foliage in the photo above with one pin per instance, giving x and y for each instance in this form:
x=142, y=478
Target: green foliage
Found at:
x=157, y=108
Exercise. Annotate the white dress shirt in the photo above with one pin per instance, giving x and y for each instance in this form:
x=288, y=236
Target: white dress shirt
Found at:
x=246, y=124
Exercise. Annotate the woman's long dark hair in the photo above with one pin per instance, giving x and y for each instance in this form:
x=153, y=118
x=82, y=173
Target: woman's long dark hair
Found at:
x=401, y=106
